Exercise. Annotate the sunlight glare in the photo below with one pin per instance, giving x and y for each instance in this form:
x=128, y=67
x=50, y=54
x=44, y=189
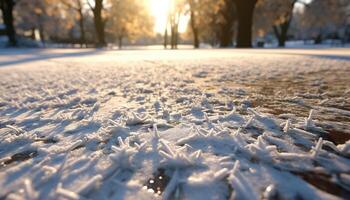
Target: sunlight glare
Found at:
x=160, y=10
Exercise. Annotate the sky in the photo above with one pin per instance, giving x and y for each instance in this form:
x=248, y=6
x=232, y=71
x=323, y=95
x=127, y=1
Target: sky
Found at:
x=300, y=6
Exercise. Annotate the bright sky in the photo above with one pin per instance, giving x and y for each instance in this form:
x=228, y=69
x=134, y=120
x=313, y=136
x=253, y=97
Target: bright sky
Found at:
x=160, y=9
x=300, y=6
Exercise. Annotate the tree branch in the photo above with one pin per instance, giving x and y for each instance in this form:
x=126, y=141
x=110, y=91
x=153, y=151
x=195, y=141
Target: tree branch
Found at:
x=89, y=4
x=70, y=5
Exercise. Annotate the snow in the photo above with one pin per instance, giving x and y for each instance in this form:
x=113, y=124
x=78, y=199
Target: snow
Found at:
x=184, y=124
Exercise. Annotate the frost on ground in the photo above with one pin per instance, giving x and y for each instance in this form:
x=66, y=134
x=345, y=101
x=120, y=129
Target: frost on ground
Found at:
x=211, y=124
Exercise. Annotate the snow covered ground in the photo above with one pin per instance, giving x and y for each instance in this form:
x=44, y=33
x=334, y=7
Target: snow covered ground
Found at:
x=186, y=124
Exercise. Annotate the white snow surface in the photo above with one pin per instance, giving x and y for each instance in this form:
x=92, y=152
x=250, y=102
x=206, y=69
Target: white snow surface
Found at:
x=185, y=124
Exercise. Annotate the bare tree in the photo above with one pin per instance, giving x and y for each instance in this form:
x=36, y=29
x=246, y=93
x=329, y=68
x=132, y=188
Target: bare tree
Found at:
x=38, y=14
x=78, y=7
x=176, y=10
x=226, y=23
x=125, y=23
x=212, y=21
x=99, y=22
x=165, y=43
x=281, y=27
x=326, y=17
x=6, y=7
x=174, y=29
x=193, y=22
x=245, y=11
x=277, y=16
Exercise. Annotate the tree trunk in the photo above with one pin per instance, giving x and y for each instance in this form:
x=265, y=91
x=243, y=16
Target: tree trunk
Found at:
x=82, y=32
x=195, y=38
x=176, y=37
x=245, y=9
x=174, y=28
x=99, y=23
x=281, y=42
x=166, y=36
x=318, y=39
x=227, y=26
x=7, y=16
x=41, y=30
x=81, y=25
x=283, y=37
x=32, y=35
x=226, y=39
x=195, y=31
x=172, y=36
x=120, y=42
x=281, y=31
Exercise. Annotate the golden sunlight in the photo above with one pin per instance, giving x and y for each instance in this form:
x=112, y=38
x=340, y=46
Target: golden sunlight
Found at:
x=160, y=10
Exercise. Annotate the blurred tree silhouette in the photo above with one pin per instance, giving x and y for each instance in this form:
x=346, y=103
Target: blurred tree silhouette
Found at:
x=77, y=5
x=283, y=21
x=279, y=14
x=227, y=19
x=99, y=22
x=212, y=21
x=313, y=20
x=126, y=23
x=216, y=22
x=245, y=10
x=322, y=18
x=7, y=7
x=176, y=10
x=194, y=7
x=209, y=20
x=47, y=16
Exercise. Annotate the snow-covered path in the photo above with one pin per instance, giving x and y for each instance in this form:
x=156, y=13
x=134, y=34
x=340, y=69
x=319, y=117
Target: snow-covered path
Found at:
x=185, y=124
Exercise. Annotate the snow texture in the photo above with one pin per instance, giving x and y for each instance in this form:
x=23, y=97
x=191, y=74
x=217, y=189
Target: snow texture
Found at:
x=206, y=124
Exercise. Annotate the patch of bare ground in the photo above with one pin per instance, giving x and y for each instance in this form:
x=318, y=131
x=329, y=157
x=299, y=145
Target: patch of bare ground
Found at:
x=324, y=182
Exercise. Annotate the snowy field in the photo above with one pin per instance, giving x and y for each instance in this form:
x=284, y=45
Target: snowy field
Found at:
x=186, y=124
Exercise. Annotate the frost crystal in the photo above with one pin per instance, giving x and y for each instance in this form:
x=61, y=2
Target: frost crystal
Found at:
x=308, y=121
x=287, y=126
x=176, y=159
x=318, y=148
x=123, y=153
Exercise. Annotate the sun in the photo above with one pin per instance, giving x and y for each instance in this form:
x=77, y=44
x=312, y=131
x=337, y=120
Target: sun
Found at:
x=160, y=10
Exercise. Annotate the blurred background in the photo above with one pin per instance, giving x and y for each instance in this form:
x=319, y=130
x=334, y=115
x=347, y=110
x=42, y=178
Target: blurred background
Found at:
x=133, y=24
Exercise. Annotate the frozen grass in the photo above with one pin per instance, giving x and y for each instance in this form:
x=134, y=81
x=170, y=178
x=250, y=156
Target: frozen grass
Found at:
x=210, y=124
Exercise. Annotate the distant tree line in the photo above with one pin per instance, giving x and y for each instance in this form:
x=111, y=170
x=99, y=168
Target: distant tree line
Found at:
x=87, y=22
x=223, y=23
x=227, y=22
